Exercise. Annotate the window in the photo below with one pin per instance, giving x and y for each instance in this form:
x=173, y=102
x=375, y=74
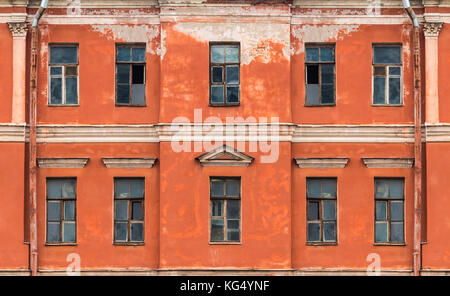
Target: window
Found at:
x=321, y=210
x=63, y=69
x=225, y=209
x=61, y=210
x=128, y=210
x=387, y=75
x=389, y=212
x=224, y=74
x=130, y=75
x=320, y=75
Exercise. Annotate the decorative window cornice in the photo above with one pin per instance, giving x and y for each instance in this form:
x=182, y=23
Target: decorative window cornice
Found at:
x=321, y=162
x=129, y=163
x=62, y=162
x=388, y=162
x=224, y=156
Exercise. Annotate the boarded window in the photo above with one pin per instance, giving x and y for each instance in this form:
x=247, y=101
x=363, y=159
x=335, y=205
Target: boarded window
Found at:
x=389, y=210
x=129, y=210
x=320, y=75
x=224, y=74
x=63, y=75
x=61, y=210
x=225, y=212
x=130, y=75
x=321, y=200
x=387, y=75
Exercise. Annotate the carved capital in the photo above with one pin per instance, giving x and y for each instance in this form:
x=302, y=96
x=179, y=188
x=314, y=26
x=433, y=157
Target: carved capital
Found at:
x=432, y=29
x=18, y=30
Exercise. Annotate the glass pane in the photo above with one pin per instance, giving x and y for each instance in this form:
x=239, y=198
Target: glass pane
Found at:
x=121, y=188
x=53, y=189
x=53, y=232
x=232, y=54
x=328, y=188
x=329, y=210
x=123, y=94
x=217, y=74
x=313, y=232
x=233, y=208
x=232, y=74
x=381, y=188
x=394, y=90
x=71, y=71
x=312, y=74
x=217, y=208
x=232, y=188
x=232, y=94
x=396, y=188
x=379, y=71
x=138, y=54
x=312, y=54
x=327, y=54
x=327, y=73
x=395, y=70
x=69, y=231
x=138, y=74
x=313, y=188
x=233, y=235
x=69, y=210
x=63, y=55
x=217, y=54
x=379, y=90
x=381, y=232
x=387, y=55
x=396, y=210
x=312, y=94
x=55, y=70
x=217, y=230
x=137, y=232
x=136, y=188
x=56, y=91
x=327, y=94
x=121, y=210
x=138, y=94
x=121, y=231
x=123, y=74
x=397, y=232
x=68, y=188
x=216, y=94
x=381, y=210
x=329, y=231
x=71, y=90
x=123, y=54
x=218, y=188
x=53, y=211
x=313, y=210
x=137, y=211
x=233, y=224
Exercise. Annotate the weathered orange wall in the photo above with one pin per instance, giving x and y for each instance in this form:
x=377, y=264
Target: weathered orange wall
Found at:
x=6, y=76
x=444, y=74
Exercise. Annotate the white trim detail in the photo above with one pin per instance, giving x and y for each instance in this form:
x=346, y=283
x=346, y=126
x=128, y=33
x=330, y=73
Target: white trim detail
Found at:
x=392, y=163
x=13, y=133
x=62, y=162
x=129, y=163
x=224, y=156
x=319, y=163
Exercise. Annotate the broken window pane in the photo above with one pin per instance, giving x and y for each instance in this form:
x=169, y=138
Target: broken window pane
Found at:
x=381, y=232
x=121, y=231
x=397, y=232
x=123, y=94
x=381, y=210
x=327, y=94
x=312, y=54
x=63, y=55
x=56, y=90
x=217, y=54
x=379, y=90
x=217, y=229
x=123, y=54
x=138, y=94
x=232, y=74
x=327, y=54
x=394, y=90
x=123, y=74
x=232, y=94
x=137, y=211
x=138, y=54
x=396, y=210
x=233, y=208
x=69, y=231
x=329, y=231
x=53, y=211
x=313, y=232
x=312, y=94
x=217, y=74
x=138, y=74
x=312, y=74
x=232, y=54
x=313, y=210
x=53, y=232
x=121, y=210
x=329, y=210
x=71, y=90
x=69, y=210
x=216, y=94
x=387, y=55
x=137, y=232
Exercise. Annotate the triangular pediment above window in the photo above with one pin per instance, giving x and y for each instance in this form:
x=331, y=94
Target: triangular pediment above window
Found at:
x=224, y=156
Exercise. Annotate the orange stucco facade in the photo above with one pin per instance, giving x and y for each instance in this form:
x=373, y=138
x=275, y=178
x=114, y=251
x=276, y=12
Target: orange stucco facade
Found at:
x=177, y=37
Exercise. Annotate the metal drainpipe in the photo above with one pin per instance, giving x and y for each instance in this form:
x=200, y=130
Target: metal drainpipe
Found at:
x=417, y=255
x=33, y=146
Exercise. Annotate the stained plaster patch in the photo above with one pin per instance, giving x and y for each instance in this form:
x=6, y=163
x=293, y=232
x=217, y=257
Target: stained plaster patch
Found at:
x=254, y=38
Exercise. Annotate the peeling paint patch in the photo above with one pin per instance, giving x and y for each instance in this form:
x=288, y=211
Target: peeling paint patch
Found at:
x=254, y=38
x=319, y=33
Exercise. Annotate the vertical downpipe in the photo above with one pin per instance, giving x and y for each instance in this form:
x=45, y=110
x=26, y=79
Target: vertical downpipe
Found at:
x=417, y=253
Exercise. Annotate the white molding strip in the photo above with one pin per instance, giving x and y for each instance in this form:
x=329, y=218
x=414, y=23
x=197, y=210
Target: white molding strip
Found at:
x=318, y=163
x=62, y=162
x=388, y=162
x=129, y=163
x=437, y=133
x=224, y=156
x=12, y=133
